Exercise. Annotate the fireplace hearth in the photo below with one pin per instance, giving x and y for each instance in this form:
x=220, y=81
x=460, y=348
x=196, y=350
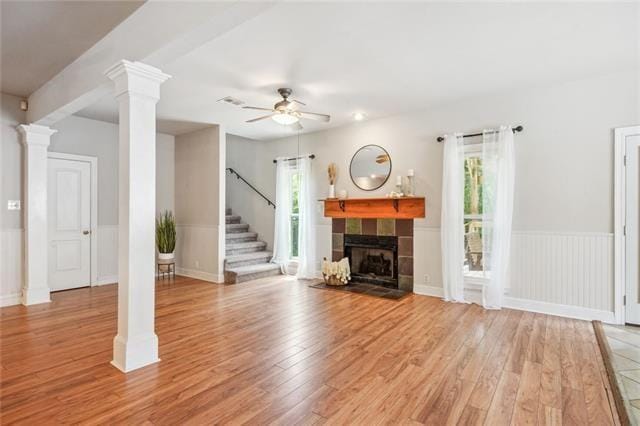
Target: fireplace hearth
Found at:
x=373, y=259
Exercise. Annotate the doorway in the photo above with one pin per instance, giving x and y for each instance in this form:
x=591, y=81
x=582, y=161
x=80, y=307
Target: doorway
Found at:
x=627, y=224
x=72, y=219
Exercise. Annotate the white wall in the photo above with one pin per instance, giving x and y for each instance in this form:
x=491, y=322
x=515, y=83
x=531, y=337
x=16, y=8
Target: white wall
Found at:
x=253, y=160
x=11, y=158
x=564, y=179
x=200, y=193
x=76, y=135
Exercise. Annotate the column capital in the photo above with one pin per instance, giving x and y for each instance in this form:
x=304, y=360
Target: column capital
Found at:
x=35, y=134
x=137, y=78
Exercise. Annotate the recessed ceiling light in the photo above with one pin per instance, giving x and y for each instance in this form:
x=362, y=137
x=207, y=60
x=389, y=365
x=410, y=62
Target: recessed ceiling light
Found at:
x=359, y=116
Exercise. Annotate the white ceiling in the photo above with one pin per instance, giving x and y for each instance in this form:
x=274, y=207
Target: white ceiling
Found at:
x=40, y=38
x=387, y=58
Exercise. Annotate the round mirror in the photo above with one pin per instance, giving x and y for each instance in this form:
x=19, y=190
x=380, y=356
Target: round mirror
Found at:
x=370, y=167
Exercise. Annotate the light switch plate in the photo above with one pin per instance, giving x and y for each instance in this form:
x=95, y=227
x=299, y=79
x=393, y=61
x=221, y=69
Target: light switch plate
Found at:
x=13, y=205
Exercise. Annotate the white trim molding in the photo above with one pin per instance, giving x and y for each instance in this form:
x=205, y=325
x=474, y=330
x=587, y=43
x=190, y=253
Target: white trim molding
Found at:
x=619, y=221
x=10, y=299
x=107, y=279
x=200, y=275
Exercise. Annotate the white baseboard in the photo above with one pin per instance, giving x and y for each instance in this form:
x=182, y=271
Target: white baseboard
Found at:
x=568, y=311
x=10, y=299
x=200, y=275
x=107, y=279
x=427, y=290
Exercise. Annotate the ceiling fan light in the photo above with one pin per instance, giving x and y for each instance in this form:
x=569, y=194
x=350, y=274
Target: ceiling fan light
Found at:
x=285, y=119
x=359, y=116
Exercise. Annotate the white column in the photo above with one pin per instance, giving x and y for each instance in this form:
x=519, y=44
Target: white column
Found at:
x=36, y=141
x=137, y=89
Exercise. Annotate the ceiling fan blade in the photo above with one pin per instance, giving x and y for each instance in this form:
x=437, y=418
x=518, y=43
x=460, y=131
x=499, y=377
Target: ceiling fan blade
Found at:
x=257, y=108
x=264, y=117
x=298, y=102
x=315, y=116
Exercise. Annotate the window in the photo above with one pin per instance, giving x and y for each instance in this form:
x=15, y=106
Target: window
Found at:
x=294, y=196
x=473, y=262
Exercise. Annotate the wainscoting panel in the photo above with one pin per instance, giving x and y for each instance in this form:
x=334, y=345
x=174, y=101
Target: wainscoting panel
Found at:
x=563, y=268
x=11, y=270
x=558, y=273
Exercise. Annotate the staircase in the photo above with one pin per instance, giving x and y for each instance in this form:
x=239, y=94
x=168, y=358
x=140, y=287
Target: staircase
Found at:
x=246, y=256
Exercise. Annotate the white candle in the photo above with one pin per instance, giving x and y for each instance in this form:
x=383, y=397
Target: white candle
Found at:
x=410, y=172
x=399, y=180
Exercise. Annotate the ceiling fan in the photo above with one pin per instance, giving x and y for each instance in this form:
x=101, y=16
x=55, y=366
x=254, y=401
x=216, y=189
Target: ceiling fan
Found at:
x=286, y=112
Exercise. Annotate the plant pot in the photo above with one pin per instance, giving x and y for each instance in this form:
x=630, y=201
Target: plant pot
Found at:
x=166, y=257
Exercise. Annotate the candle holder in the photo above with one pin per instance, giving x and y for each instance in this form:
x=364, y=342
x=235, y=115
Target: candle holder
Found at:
x=399, y=190
x=410, y=191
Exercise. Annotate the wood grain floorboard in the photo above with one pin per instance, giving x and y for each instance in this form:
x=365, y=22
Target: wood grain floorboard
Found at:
x=274, y=351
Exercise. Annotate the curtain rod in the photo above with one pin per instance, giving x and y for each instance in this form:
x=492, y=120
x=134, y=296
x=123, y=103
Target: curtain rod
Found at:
x=312, y=156
x=516, y=129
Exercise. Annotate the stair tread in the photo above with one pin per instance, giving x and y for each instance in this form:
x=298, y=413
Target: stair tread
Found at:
x=251, y=269
x=245, y=244
x=237, y=225
x=237, y=235
x=249, y=256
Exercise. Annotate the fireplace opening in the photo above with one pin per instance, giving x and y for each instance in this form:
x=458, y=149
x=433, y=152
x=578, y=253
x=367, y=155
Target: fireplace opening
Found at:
x=373, y=259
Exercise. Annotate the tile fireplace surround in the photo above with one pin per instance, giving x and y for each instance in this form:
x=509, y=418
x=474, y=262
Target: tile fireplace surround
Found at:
x=400, y=228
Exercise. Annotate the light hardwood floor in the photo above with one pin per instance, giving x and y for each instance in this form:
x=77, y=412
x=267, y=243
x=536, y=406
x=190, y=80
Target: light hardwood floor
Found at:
x=276, y=351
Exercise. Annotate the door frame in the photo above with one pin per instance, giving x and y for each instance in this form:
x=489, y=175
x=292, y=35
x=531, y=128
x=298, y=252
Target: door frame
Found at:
x=619, y=220
x=93, y=162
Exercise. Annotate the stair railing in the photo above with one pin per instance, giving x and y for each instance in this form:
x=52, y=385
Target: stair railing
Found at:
x=269, y=202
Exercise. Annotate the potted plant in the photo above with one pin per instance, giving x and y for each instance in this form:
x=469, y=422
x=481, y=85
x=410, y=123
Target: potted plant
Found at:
x=166, y=236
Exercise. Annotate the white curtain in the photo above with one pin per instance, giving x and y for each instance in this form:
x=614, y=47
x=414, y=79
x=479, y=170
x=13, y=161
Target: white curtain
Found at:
x=306, y=204
x=452, y=219
x=498, y=173
x=282, y=227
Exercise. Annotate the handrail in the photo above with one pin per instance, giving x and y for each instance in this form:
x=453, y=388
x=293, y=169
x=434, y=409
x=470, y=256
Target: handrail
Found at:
x=269, y=202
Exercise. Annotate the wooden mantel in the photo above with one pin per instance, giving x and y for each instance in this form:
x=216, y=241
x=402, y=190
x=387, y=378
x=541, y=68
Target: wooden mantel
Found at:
x=375, y=208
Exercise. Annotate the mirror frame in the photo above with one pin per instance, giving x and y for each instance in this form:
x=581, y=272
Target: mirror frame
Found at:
x=388, y=175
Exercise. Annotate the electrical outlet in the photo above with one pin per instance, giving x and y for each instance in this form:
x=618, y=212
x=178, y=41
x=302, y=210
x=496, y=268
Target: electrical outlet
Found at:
x=13, y=205
x=427, y=279
x=197, y=263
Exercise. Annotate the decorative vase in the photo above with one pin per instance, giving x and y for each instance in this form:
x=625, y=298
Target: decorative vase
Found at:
x=166, y=257
x=332, y=191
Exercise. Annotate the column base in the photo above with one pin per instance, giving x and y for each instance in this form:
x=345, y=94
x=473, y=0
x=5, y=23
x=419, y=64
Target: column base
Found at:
x=33, y=296
x=133, y=353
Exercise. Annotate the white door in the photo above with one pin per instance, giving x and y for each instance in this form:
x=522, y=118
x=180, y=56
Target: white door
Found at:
x=69, y=217
x=631, y=142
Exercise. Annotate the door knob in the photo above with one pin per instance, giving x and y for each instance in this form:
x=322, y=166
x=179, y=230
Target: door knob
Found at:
x=86, y=232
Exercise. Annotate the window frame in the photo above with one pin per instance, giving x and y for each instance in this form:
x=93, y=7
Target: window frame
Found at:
x=293, y=170
x=473, y=280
